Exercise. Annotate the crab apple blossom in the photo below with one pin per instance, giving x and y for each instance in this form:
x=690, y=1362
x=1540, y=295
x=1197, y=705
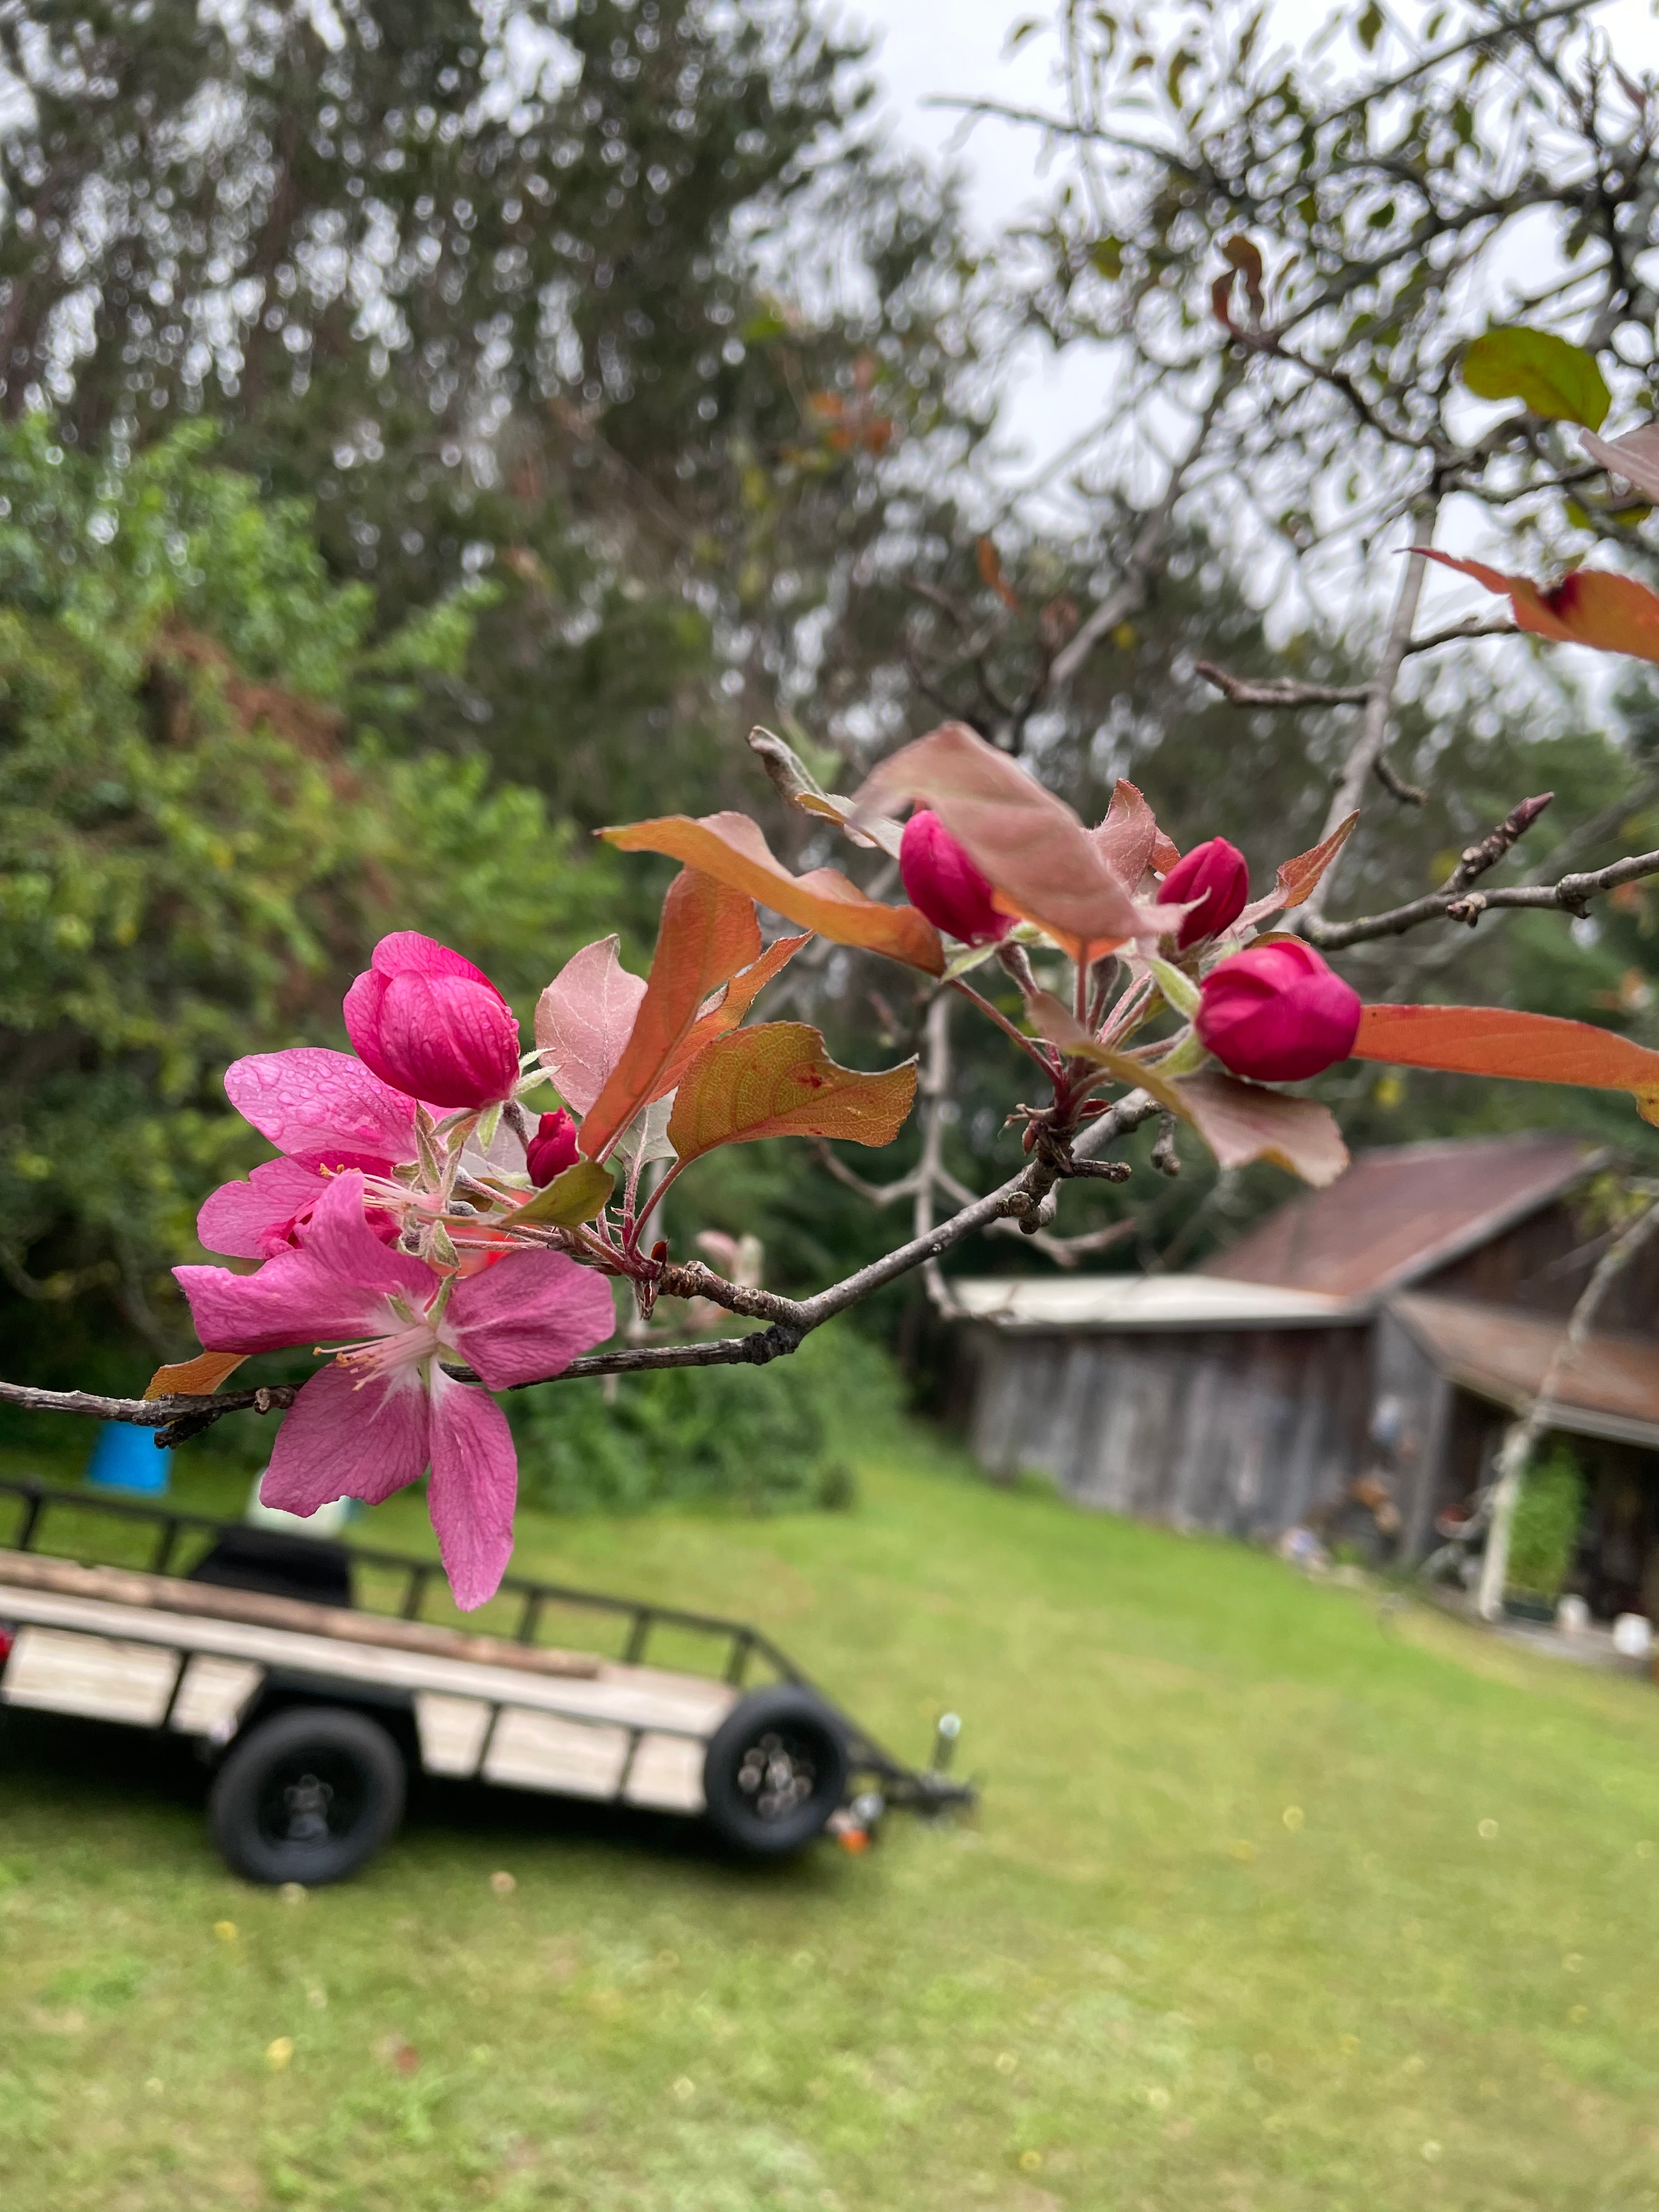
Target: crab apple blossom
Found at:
x=1214, y=880
x=326, y=1112
x=552, y=1149
x=384, y=1410
x=433, y=1025
x=941, y=881
x=1278, y=1013
x=258, y=1218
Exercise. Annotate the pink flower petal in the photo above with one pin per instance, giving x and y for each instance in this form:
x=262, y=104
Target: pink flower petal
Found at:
x=474, y=1487
x=339, y=1239
x=306, y=1100
x=336, y=1285
x=253, y=1219
x=342, y=1438
x=406, y=953
x=528, y=1316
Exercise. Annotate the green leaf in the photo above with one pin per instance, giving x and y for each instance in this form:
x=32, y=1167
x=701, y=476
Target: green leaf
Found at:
x=1554, y=379
x=1106, y=256
x=571, y=1197
x=1179, y=990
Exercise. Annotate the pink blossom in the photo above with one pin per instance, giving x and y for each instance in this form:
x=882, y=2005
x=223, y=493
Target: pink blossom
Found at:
x=258, y=1218
x=1278, y=1013
x=383, y=1410
x=1215, y=878
x=432, y=1024
x=944, y=885
x=552, y=1149
x=325, y=1111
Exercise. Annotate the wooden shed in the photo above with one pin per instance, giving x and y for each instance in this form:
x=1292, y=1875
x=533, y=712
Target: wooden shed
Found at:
x=1382, y=1332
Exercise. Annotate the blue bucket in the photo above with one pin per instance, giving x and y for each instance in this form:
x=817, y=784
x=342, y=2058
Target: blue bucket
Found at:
x=126, y=1458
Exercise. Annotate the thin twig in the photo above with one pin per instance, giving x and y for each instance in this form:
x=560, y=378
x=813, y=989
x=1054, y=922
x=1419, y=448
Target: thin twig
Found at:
x=1571, y=895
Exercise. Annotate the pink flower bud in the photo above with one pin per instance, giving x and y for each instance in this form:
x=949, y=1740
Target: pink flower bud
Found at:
x=433, y=1025
x=1276, y=1011
x=552, y=1149
x=943, y=882
x=1215, y=874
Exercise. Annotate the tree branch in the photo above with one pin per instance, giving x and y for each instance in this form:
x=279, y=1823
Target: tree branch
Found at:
x=1569, y=895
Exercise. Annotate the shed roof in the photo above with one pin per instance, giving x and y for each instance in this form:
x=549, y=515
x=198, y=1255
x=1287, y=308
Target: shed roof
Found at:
x=1611, y=1388
x=1401, y=1210
x=1148, y=1301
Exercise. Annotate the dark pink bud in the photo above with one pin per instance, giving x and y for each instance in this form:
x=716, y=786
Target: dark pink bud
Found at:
x=552, y=1149
x=943, y=882
x=1215, y=874
x=433, y=1025
x=1278, y=1013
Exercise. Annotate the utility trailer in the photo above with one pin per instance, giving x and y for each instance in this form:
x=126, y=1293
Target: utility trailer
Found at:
x=313, y=1707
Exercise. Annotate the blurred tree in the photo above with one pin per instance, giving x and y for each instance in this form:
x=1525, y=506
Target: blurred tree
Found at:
x=204, y=828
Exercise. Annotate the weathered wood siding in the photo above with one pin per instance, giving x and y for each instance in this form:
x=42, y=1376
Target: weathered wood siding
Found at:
x=1236, y=1431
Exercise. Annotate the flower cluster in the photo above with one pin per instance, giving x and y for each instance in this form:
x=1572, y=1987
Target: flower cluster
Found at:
x=1270, y=1009
x=387, y=1223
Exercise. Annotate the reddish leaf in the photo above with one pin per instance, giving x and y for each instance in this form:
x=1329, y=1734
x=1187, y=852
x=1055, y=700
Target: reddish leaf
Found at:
x=1044, y=865
x=734, y=848
x=584, y=1019
x=194, y=1377
x=777, y=1080
x=1529, y=1047
x=1591, y=606
x=739, y=994
x=1130, y=841
x=1244, y=1122
x=708, y=933
x=991, y=575
x=1634, y=457
x=1297, y=879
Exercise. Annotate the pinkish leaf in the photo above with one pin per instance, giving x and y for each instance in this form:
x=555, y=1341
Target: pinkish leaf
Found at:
x=1297, y=878
x=1635, y=457
x=1130, y=841
x=584, y=1019
x=1243, y=1121
x=1044, y=865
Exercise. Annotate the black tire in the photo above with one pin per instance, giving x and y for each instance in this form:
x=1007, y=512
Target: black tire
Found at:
x=307, y=1796
x=775, y=1770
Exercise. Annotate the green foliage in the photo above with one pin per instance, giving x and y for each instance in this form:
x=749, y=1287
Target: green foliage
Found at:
x=1549, y=376
x=1544, y=1533
x=763, y=1439
x=204, y=828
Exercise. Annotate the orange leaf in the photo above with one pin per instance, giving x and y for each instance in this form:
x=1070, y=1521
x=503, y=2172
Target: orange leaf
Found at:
x=1529, y=1047
x=991, y=575
x=734, y=849
x=1243, y=1121
x=1297, y=879
x=777, y=1080
x=739, y=994
x=194, y=1377
x=1043, y=864
x=1591, y=606
x=708, y=933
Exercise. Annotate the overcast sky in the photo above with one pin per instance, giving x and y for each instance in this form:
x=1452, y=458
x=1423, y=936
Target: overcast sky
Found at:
x=933, y=49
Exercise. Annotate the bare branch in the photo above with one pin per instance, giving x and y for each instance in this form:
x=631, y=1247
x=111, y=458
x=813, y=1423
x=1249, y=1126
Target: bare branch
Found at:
x=1408, y=794
x=1146, y=552
x=1280, y=690
x=1459, y=633
x=1367, y=748
x=1571, y=895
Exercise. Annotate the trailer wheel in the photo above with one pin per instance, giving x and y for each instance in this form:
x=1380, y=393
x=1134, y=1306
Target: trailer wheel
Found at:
x=775, y=1770
x=308, y=1796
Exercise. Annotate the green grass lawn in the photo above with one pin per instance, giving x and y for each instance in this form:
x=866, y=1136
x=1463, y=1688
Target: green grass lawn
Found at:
x=1272, y=1904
